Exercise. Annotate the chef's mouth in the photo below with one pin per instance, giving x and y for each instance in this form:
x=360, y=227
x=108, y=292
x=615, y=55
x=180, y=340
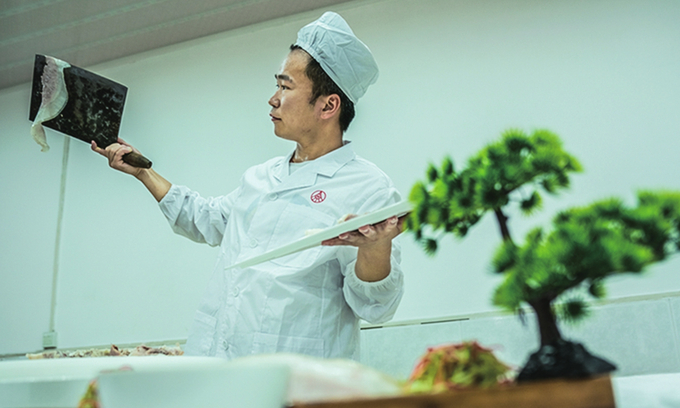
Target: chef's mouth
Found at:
x=273, y=118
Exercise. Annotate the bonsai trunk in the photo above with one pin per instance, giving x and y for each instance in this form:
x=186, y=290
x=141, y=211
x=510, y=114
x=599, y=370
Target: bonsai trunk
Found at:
x=547, y=324
x=557, y=358
x=503, y=224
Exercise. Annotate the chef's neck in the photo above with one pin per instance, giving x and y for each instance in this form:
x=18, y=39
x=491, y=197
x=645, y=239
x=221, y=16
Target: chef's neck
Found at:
x=308, y=152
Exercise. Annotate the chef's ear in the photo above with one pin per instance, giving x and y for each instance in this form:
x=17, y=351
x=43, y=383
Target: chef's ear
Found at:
x=331, y=106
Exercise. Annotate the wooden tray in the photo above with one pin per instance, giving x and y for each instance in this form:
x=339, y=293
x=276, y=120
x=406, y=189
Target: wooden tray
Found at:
x=590, y=393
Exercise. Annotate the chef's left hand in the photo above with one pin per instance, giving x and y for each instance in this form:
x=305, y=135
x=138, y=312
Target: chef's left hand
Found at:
x=369, y=235
x=374, y=243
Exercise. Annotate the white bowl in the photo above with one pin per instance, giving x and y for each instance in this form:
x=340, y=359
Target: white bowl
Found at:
x=60, y=383
x=232, y=385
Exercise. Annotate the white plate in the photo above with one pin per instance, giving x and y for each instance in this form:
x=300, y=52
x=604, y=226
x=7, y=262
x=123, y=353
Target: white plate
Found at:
x=313, y=240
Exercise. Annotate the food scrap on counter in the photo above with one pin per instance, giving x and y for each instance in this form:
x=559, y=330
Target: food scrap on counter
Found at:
x=141, y=350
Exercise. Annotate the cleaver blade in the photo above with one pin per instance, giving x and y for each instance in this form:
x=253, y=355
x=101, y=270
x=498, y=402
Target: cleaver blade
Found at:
x=93, y=111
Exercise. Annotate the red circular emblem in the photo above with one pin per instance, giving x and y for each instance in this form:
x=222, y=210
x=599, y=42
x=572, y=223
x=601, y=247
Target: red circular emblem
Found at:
x=318, y=196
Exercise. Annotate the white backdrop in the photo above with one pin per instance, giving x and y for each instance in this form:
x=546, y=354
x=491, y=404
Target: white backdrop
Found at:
x=454, y=74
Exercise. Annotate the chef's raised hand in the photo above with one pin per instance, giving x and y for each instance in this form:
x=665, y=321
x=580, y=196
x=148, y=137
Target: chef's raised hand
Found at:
x=375, y=247
x=154, y=182
x=114, y=153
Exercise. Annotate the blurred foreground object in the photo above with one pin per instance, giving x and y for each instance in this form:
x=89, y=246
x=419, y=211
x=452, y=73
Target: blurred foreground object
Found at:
x=315, y=379
x=456, y=367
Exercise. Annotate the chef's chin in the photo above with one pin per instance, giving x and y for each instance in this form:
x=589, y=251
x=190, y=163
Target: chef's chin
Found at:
x=282, y=135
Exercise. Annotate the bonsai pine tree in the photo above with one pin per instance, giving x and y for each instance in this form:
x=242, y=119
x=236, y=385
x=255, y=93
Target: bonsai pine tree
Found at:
x=553, y=272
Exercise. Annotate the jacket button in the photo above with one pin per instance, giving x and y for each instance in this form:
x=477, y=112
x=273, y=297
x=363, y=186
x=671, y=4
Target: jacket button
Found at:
x=253, y=243
x=235, y=291
x=273, y=196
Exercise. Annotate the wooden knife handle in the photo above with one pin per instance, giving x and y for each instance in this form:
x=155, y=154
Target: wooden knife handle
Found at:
x=137, y=160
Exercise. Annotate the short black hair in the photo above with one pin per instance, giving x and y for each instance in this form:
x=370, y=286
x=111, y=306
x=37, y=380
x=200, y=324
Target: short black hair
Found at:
x=323, y=85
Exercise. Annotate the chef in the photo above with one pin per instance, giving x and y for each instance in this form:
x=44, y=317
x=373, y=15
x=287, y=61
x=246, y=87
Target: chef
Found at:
x=310, y=302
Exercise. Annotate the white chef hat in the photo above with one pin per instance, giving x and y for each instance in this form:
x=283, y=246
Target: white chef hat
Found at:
x=346, y=60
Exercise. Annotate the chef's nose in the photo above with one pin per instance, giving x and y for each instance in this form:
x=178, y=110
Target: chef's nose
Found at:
x=274, y=101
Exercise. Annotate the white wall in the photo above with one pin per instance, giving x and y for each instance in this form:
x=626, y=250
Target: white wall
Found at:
x=454, y=75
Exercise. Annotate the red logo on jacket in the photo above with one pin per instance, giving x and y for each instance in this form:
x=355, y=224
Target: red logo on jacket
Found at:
x=318, y=196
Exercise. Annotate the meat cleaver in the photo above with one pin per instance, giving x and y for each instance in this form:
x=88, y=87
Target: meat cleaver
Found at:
x=93, y=110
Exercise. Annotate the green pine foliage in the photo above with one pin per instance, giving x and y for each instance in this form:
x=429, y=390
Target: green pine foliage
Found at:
x=585, y=246
x=565, y=265
x=572, y=310
x=452, y=202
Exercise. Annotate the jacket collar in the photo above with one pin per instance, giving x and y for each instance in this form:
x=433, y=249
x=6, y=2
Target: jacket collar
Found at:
x=326, y=165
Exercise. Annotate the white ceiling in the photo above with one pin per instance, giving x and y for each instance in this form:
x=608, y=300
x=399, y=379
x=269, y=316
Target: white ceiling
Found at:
x=87, y=32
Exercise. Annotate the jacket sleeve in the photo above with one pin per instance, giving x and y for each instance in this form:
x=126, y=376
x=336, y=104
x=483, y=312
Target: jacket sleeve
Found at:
x=200, y=219
x=375, y=302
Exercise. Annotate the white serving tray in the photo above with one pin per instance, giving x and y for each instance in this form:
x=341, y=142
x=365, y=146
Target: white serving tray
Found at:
x=398, y=209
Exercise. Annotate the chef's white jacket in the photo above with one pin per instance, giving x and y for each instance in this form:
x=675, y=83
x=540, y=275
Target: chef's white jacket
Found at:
x=310, y=302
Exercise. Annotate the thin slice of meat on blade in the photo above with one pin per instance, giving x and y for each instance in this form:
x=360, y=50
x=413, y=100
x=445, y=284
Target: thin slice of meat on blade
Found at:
x=54, y=98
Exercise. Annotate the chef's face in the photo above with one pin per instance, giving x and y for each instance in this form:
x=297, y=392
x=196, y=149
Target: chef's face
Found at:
x=293, y=115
